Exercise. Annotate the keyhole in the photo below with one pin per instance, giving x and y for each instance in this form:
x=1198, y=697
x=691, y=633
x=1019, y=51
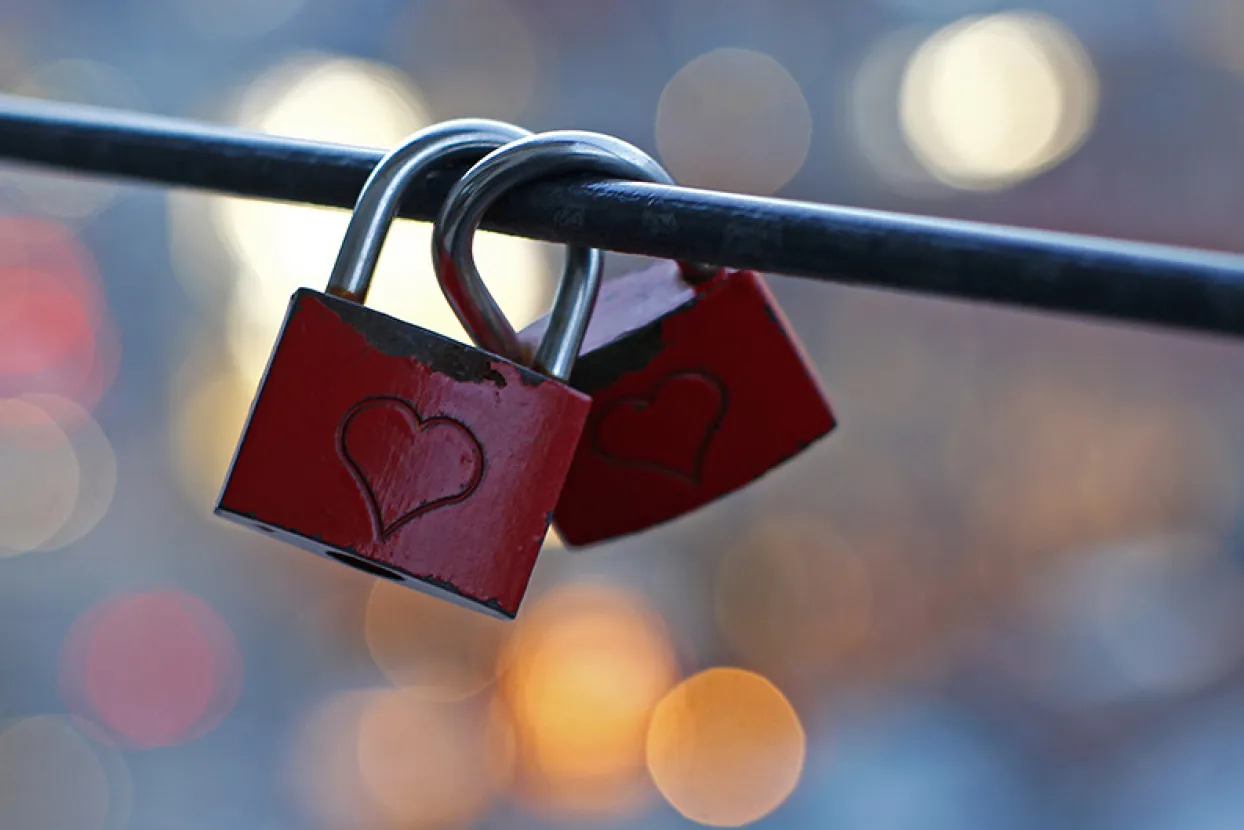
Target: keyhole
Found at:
x=365, y=565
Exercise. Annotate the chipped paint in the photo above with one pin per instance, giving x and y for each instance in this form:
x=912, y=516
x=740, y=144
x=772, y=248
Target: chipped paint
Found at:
x=400, y=339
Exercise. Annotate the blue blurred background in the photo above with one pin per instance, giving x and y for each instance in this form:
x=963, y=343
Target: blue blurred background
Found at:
x=1006, y=593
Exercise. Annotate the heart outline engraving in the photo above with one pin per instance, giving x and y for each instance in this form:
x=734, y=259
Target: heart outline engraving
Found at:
x=649, y=398
x=420, y=425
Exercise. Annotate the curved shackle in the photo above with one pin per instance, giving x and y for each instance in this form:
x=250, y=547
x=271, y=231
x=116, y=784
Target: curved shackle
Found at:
x=524, y=160
x=381, y=196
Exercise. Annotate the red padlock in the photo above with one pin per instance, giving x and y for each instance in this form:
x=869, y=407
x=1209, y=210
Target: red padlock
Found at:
x=399, y=451
x=697, y=390
x=698, y=384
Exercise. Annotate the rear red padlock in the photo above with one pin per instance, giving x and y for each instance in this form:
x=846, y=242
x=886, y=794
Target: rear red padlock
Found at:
x=401, y=452
x=698, y=384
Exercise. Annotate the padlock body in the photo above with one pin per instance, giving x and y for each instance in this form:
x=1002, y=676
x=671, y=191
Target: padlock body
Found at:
x=696, y=391
x=404, y=453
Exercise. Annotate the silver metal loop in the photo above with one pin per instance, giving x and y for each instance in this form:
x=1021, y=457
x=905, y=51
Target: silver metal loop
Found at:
x=536, y=157
x=381, y=195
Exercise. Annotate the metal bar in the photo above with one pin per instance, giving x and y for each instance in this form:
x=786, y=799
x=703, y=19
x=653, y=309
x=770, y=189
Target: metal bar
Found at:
x=1030, y=269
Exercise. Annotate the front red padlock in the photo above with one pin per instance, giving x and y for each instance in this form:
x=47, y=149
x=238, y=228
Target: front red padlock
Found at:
x=698, y=384
x=394, y=449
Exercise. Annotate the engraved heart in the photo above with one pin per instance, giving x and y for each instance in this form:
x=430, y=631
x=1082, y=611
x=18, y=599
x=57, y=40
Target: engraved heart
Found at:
x=667, y=430
x=407, y=465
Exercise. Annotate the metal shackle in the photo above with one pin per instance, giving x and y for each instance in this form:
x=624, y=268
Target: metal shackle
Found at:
x=521, y=161
x=381, y=196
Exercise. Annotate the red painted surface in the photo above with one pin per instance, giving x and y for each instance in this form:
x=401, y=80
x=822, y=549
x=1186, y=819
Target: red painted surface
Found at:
x=695, y=393
x=404, y=453
x=685, y=408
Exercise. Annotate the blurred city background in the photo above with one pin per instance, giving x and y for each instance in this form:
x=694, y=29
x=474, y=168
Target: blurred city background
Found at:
x=1006, y=593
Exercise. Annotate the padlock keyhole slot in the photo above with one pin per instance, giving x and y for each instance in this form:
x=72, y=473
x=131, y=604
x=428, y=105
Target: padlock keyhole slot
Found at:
x=364, y=565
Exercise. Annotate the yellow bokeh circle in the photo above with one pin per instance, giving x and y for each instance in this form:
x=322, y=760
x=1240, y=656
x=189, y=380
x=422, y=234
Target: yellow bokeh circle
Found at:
x=585, y=667
x=277, y=248
x=725, y=747
x=989, y=101
x=734, y=119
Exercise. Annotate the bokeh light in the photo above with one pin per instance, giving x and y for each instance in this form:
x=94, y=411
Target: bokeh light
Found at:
x=1128, y=622
x=43, y=325
x=733, y=119
x=389, y=758
x=97, y=467
x=989, y=101
x=434, y=649
x=151, y=670
x=39, y=477
x=209, y=400
x=322, y=772
x=1049, y=469
x=725, y=747
x=56, y=333
x=793, y=597
x=584, y=670
x=53, y=778
x=205, y=270
x=875, y=115
x=474, y=58
x=430, y=765
x=66, y=195
x=278, y=248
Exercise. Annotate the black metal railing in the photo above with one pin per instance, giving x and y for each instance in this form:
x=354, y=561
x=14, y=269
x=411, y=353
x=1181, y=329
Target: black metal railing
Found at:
x=1031, y=269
